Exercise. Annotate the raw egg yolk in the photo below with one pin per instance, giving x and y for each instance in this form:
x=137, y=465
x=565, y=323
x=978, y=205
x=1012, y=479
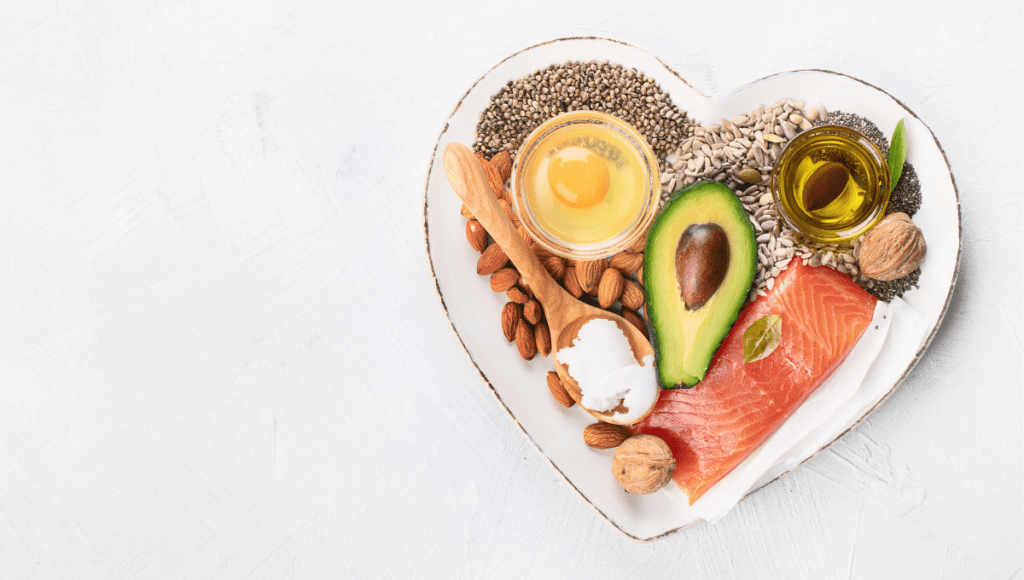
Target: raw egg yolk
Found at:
x=578, y=177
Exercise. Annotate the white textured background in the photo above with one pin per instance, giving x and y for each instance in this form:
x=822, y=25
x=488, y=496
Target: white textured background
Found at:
x=222, y=354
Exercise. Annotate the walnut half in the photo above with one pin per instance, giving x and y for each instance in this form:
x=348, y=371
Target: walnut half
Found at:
x=892, y=249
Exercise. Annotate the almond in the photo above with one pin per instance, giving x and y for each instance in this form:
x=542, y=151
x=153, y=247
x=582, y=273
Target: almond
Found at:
x=610, y=287
x=558, y=390
x=506, y=195
x=503, y=163
x=466, y=213
x=525, y=235
x=605, y=435
x=632, y=295
x=572, y=285
x=556, y=267
x=476, y=235
x=540, y=251
x=491, y=260
x=504, y=279
x=516, y=295
x=627, y=262
x=634, y=319
x=496, y=182
x=512, y=217
x=639, y=245
x=589, y=272
x=510, y=320
x=507, y=208
x=525, y=286
x=532, y=311
x=525, y=341
x=542, y=337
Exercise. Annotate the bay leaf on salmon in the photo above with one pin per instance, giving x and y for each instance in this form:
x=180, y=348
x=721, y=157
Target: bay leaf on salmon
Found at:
x=761, y=338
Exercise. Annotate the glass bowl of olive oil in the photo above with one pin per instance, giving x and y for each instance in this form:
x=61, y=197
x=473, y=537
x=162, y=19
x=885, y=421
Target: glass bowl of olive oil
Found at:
x=585, y=185
x=831, y=184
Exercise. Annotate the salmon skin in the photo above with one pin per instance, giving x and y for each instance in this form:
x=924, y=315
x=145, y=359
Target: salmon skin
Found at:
x=714, y=426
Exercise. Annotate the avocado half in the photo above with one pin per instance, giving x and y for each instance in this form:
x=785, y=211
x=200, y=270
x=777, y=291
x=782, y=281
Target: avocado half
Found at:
x=699, y=263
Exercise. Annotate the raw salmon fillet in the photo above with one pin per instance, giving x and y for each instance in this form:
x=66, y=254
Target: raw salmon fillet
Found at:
x=712, y=427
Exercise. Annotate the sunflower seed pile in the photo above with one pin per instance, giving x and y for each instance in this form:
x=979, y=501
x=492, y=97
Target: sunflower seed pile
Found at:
x=741, y=153
x=523, y=104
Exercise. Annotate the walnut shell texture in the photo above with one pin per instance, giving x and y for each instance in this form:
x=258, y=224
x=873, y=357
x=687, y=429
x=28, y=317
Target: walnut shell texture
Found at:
x=892, y=249
x=643, y=464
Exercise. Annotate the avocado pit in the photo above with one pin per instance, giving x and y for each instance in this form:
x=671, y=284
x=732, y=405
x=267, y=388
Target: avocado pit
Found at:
x=702, y=261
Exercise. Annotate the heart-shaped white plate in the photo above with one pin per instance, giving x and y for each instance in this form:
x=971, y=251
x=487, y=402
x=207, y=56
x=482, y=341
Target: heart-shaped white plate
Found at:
x=520, y=386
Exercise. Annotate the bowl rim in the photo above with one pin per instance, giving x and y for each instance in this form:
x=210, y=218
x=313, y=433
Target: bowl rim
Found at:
x=842, y=131
x=620, y=241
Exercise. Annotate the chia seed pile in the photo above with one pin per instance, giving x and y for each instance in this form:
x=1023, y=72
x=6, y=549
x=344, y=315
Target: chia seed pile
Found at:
x=688, y=152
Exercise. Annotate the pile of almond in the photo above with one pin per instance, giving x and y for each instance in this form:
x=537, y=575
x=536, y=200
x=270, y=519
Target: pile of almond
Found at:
x=611, y=284
x=608, y=283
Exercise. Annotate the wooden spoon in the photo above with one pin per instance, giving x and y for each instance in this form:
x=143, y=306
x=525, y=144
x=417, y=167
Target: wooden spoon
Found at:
x=565, y=314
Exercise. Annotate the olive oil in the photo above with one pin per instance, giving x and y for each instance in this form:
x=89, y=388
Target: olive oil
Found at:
x=831, y=184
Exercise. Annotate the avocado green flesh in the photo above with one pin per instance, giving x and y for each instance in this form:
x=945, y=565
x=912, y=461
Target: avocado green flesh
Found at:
x=684, y=340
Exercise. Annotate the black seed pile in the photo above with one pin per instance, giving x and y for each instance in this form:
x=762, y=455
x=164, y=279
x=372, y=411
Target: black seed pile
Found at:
x=905, y=197
x=886, y=291
x=859, y=124
x=523, y=104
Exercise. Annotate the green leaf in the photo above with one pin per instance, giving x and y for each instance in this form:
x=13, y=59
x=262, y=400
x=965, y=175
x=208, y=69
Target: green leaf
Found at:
x=897, y=154
x=762, y=337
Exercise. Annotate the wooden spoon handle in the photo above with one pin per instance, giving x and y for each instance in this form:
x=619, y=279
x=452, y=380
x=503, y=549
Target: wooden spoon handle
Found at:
x=468, y=180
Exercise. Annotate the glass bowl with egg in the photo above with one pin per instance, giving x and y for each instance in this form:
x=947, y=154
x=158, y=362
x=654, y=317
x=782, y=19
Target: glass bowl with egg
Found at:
x=585, y=185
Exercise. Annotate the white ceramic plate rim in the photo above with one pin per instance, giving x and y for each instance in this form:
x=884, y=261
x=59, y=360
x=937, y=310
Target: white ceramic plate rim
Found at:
x=434, y=171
